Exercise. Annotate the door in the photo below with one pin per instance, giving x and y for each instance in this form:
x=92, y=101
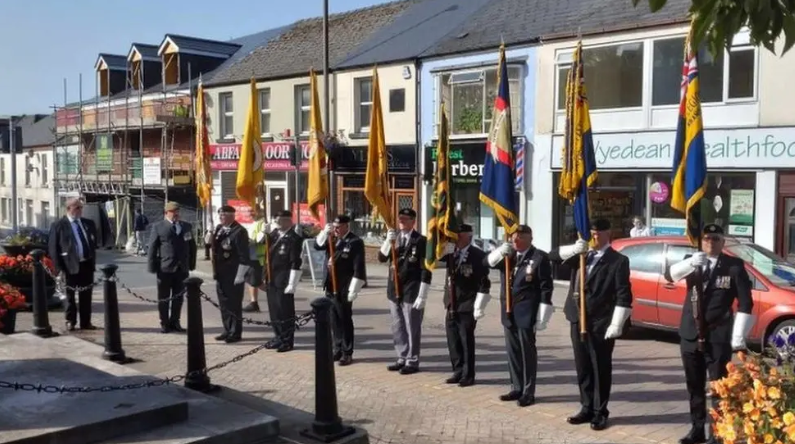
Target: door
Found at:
x=646, y=267
x=404, y=200
x=671, y=295
x=789, y=229
x=276, y=195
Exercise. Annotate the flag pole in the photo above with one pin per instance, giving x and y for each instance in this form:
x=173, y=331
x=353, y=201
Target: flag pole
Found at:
x=583, y=330
x=507, y=278
x=395, y=279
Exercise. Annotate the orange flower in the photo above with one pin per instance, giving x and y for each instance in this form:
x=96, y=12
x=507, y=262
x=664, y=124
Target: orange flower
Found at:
x=774, y=393
x=788, y=418
x=768, y=439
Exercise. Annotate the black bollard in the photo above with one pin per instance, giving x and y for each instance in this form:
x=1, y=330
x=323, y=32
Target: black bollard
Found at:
x=196, y=378
x=113, y=351
x=41, y=318
x=327, y=426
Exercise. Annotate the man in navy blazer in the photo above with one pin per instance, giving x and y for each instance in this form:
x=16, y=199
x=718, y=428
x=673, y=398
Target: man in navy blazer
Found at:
x=530, y=309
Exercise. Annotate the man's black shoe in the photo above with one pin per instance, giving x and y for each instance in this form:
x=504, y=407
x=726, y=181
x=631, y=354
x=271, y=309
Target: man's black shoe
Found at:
x=466, y=382
x=580, y=418
x=232, y=339
x=395, y=367
x=284, y=348
x=346, y=360
x=337, y=356
x=409, y=370
x=526, y=401
x=696, y=435
x=252, y=307
x=165, y=328
x=222, y=337
x=599, y=422
x=511, y=396
x=176, y=327
x=455, y=379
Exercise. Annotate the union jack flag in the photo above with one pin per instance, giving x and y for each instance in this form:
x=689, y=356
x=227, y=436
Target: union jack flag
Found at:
x=518, y=149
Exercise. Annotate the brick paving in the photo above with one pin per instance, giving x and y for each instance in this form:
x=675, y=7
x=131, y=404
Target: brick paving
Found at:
x=648, y=404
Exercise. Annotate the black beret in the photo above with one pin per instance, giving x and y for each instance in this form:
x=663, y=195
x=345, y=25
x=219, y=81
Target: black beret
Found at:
x=407, y=212
x=524, y=229
x=600, y=225
x=226, y=209
x=713, y=229
x=284, y=213
x=465, y=228
x=342, y=219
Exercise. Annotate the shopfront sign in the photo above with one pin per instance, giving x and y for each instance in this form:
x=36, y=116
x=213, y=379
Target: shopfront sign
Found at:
x=305, y=217
x=244, y=214
x=726, y=148
x=276, y=155
x=466, y=160
x=400, y=159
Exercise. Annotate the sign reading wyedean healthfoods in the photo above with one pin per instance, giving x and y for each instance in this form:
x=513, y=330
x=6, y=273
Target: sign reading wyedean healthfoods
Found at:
x=734, y=148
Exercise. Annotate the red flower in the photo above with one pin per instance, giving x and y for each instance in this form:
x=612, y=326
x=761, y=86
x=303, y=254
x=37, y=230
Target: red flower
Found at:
x=10, y=299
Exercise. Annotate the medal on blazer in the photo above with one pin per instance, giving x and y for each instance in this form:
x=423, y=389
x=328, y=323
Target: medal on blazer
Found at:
x=529, y=270
x=466, y=270
x=413, y=255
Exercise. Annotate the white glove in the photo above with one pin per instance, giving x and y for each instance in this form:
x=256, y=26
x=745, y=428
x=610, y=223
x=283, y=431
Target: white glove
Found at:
x=240, y=277
x=386, y=247
x=322, y=237
x=422, y=296
x=505, y=249
x=391, y=235
x=449, y=248
x=742, y=325
x=620, y=316
x=544, y=314
x=569, y=251
x=295, y=276
x=354, y=289
x=681, y=270
x=481, y=300
x=269, y=227
x=499, y=254
x=329, y=229
x=699, y=259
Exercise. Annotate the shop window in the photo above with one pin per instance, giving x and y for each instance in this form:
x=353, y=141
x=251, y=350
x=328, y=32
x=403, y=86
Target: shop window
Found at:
x=646, y=258
x=469, y=98
x=303, y=101
x=730, y=76
x=265, y=111
x=364, y=103
x=227, y=115
x=728, y=202
x=621, y=63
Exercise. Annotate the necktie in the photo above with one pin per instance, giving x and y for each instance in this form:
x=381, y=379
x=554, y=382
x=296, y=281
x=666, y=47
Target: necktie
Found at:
x=83, y=240
x=707, y=271
x=589, y=258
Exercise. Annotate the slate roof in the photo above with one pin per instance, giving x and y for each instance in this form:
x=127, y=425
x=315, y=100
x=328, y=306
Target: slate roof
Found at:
x=146, y=50
x=301, y=47
x=197, y=44
x=37, y=129
x=413, y=32
x=524, y=21
x=114, y=61
x=247, y=44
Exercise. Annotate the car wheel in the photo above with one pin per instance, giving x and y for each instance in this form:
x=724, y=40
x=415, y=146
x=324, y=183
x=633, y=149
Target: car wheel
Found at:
x=783, y=330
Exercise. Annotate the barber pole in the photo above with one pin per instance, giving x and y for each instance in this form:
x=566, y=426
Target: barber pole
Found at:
x=519, y=160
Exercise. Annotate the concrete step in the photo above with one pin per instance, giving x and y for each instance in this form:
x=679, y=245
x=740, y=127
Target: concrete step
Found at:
x=164, y=414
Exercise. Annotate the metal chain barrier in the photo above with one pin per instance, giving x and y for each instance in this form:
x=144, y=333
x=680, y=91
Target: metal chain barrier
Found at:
x=61, y=286
x=298, y=322
x=129, y=291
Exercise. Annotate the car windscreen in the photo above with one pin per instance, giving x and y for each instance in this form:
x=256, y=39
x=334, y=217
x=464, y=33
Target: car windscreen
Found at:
x=775, y=269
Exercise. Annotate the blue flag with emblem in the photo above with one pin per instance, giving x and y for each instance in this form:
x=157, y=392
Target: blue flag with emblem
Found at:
x=499, y=178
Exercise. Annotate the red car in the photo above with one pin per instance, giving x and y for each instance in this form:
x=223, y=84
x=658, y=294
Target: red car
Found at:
x=658, y=301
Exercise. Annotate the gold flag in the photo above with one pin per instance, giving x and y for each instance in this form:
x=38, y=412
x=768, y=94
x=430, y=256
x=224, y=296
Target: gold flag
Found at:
x=249, y=169
x=317, y=186
x=204, y=181
x=376, y=182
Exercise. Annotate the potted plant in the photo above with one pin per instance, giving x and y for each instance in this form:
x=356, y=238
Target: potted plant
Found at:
x=24, y=241
x=757, y=398
x=11, y=300
x=17, y=271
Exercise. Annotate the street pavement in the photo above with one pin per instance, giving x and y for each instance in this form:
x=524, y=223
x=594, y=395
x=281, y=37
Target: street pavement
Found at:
x=648, y=403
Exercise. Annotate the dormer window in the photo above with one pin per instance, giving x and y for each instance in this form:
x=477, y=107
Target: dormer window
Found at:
x=111, y=74
x=184, y=58
x=145, y=69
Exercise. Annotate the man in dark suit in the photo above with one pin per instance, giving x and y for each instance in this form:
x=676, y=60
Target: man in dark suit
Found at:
x=284, y=261
x=230, y=265
x=706, y=349
x=350, y=273
x=72, y=247
x=414, y=281
x=466, y=294
x=608, y=305
x=531, y=308
x=172, y=255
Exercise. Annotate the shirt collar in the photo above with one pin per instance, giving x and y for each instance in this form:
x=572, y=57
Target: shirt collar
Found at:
x=72, y=219
x=602, y=250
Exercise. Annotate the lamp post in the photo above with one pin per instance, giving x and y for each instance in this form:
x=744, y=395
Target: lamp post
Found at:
x=327, y=109
x=12, y=150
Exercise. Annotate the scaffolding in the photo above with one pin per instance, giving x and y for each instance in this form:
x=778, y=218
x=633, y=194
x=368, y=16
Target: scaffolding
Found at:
x=104, y=168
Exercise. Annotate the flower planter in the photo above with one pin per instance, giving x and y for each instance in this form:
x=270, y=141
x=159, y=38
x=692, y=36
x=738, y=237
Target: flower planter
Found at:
x=9, y=322
x=21, y=250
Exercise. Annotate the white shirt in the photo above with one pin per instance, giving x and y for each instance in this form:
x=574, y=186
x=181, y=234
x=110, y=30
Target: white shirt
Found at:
x=643, y=231
x=597, y=255
x=75, y=227
x=178, y=226
x=462, y=254
x=404, y=237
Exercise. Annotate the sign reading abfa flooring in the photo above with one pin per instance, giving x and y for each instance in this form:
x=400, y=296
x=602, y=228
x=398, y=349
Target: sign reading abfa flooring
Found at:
x=276, y=155
x=726, y=148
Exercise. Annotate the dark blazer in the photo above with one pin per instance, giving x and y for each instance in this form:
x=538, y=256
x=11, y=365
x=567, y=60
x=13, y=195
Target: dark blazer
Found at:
x=606, y=287
x=169, y=252
x=285, y=255
x=411, y=269
x=230, y=250
x=529, y=288
x=728, y=281
x=348, y=262
x=463, y=281
x=62, y=245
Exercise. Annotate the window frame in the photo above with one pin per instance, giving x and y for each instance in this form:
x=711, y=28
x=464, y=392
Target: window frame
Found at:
x=266, y=132
x=517, y=111
x=45, y=172
x=358, y=103
x=28, y=175
x=2, y=170
x=300, y=108
x=224, y=113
